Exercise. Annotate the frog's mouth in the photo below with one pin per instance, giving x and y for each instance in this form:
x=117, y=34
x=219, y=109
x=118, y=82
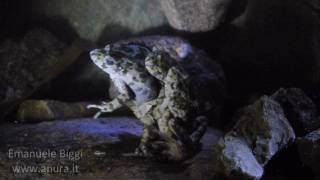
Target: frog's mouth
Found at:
x=97, y=56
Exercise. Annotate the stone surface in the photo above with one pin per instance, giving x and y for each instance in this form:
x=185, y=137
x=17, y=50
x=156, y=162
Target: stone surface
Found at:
x=99, y=21
x=195, y=15
x=299, y=109
x=309, y=150
x=100, y=144
x=261, y=131
x=27, y=64
x=234, y=158
x=265, y=128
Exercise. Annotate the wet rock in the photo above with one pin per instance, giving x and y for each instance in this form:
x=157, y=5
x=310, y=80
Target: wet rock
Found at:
x=195, y=15
x=26, y=65
x=299, y=109
x=309, y=150
x=99, y=21
x=261, y=132
x=207, y=76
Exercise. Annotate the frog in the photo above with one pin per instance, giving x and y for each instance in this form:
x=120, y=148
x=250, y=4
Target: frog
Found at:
x=155, y=88
x=173, y=114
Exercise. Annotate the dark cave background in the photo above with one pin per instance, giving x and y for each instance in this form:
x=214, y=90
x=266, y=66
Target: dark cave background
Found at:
x=261, y=45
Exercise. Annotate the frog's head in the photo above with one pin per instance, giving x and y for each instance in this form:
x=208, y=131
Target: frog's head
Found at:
x=103, y=60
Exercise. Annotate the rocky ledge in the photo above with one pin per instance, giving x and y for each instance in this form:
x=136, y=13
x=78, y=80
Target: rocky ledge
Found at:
x=91, y=149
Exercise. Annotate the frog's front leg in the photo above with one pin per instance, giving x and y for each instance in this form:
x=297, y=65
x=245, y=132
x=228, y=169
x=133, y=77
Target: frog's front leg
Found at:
x=106, y=107
x=116, y=103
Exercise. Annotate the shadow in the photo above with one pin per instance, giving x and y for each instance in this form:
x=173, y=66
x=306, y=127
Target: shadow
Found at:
x=14, y=18
x=235, y=10
x=274, y=46
x=58, y=26
x=17, y=18
x=113, y=33
x=81, y=81
x=279, y=168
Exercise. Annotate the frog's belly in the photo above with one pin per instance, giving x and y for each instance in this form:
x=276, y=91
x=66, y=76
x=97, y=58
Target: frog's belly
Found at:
x=145, y=91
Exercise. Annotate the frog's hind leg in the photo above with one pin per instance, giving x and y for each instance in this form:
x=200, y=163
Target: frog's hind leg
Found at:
x=200, y=127
x=149, y=135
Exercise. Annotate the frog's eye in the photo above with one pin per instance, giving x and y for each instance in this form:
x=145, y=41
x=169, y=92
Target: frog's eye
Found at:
x=126, y=49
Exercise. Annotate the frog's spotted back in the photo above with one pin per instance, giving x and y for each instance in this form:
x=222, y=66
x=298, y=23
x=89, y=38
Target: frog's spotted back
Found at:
x=131, y=51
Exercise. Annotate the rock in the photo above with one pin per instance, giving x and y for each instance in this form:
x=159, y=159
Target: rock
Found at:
x=195, y=15
x=234, y=157
x=263, y=52
x=261, y=132
x=26, y=65
x=309, y=150
x=48, y=110
x=207, y=76
x=265, y=128
x=98, y=21
x=299, y=109
x=97, y=146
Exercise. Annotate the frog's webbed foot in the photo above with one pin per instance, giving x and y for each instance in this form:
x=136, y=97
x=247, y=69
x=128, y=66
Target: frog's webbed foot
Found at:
x=105, y=107
x=150, y=134
x=161, y=147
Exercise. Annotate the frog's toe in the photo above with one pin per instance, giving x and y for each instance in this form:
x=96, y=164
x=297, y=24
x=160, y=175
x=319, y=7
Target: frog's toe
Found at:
x=97, y=115
x=104, y=103
x=142, y=151
x=93, y=106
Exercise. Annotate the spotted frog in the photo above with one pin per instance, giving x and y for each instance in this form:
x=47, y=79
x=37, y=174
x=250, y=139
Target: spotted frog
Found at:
x=156, y=89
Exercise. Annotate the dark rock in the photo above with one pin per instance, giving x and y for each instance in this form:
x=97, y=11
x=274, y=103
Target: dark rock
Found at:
x=265, y=128
x=207, y=76
x=309, y=150
x=102, y=143
x=261, y=132
x=101, y=21
x=26, y=65
x=299, y=109
x=195, y=15
x=263, y=51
